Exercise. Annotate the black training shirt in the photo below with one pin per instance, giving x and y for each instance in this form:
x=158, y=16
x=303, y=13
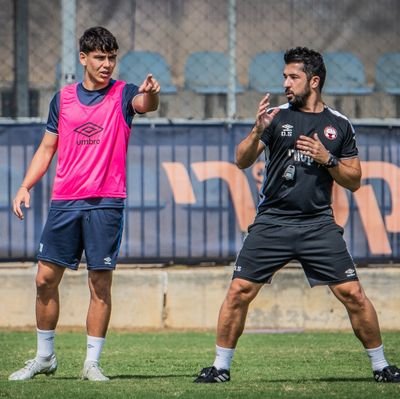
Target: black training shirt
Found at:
x=309, y=194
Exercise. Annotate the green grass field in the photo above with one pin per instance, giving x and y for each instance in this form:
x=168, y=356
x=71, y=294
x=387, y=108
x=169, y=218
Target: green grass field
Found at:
x=162, y=365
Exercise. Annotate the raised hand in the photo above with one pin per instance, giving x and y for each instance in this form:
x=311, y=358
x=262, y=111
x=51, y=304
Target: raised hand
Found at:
x=264, y=118
x=149, y=85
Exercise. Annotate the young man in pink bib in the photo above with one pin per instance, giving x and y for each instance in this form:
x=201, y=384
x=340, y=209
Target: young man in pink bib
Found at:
x=88, y=126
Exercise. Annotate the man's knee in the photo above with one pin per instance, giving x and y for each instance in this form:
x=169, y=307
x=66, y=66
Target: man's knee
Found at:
x=351, y=294
x=242, y=292
x=48, y=277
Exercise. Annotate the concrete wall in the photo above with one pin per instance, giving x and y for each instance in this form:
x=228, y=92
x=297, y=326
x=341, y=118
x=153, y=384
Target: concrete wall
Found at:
x=189, y=298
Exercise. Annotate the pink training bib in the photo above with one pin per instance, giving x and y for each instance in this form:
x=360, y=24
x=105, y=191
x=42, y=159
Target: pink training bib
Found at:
x=92, y=146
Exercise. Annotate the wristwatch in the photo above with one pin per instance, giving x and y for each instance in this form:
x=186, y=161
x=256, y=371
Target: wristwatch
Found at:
x=332, y=161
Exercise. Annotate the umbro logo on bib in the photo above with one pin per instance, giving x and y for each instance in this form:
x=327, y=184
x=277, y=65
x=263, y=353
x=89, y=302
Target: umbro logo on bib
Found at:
x=88, y=129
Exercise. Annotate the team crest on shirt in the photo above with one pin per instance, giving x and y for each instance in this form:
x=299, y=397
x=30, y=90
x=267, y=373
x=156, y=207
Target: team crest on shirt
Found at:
x=330, y=133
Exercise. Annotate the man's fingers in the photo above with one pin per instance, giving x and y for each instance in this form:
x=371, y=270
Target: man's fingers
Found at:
x=306, y=139
x=19, y=201
x=144, y=87
x=316, y=137
x=149, y=85
x=265, y=101
x=274, y=112
x=17, y=210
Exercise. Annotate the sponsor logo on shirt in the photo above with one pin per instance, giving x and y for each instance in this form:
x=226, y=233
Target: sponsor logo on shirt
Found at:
x=300, y=157
x=88, y=129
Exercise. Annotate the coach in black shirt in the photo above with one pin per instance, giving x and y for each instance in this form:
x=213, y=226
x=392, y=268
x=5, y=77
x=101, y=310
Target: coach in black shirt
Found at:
x=307, y=147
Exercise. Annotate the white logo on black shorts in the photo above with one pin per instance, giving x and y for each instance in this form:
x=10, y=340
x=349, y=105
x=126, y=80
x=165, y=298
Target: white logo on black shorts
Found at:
x=350, y=272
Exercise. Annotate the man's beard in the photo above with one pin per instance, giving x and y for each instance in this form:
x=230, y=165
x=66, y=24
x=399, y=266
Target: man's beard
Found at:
x=300, y=100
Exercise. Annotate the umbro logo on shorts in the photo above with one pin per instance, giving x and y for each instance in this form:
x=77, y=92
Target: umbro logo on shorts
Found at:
x=107, y=261
x=350, y=272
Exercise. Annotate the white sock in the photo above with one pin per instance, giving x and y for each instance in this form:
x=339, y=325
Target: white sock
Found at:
x=377, y=357
x=223, y=358
x=45, y=343
x=94, y=348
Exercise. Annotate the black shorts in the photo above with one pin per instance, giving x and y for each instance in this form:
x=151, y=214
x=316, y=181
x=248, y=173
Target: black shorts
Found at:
x=319, y=247
x=67, y=233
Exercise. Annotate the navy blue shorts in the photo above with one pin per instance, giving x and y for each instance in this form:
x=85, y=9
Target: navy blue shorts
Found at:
x=319, y=247
x=67, y=233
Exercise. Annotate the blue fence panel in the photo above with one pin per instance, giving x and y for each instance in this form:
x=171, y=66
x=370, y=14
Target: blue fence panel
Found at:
x=187, y=201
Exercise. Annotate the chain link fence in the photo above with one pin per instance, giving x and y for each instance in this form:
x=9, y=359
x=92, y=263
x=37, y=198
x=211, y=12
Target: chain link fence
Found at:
x=214, y=58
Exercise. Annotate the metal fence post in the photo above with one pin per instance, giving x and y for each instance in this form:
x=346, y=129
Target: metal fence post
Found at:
x=21, y=60
x=231, y=103
x=68, y=56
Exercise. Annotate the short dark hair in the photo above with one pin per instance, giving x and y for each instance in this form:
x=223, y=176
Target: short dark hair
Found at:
x=312, y=60
x=97, y=38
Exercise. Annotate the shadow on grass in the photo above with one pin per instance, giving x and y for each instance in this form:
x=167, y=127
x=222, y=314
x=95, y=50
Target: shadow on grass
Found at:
x=191, y=376
x=148, y=377
x=327, y=379
x=122, y=377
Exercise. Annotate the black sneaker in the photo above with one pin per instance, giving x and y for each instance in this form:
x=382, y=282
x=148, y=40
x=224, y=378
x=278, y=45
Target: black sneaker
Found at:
x=388, y=374
x=211, y=374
